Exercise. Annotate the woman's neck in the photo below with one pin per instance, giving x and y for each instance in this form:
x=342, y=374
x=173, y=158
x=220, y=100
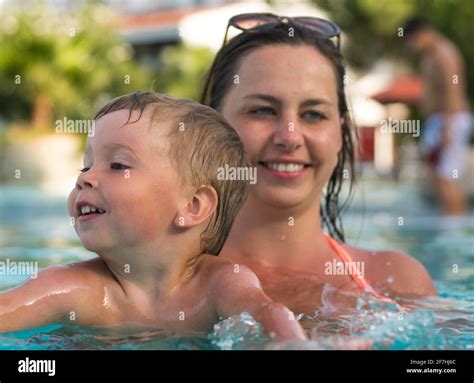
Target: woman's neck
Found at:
x=276, y=236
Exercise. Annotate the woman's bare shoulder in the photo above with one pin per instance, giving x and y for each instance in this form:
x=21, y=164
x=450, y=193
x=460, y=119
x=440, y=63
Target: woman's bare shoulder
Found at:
x=393, y=271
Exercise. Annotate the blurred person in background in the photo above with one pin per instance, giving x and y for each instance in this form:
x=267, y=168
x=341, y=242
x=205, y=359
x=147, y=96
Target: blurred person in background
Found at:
x=446, y=131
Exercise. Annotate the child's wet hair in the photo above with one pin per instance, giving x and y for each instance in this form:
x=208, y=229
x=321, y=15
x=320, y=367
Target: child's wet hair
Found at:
x=200, y=142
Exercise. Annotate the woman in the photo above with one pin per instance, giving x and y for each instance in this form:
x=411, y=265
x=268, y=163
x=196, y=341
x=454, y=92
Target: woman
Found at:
x=280, y=83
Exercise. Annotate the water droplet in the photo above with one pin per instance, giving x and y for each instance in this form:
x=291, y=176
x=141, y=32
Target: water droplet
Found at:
x=390, y=279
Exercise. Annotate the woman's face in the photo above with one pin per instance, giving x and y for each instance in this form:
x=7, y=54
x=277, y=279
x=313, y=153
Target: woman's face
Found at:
x=284, y=105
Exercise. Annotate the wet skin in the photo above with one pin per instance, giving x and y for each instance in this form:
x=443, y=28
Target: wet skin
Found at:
x=285, y=109
x=149, y=271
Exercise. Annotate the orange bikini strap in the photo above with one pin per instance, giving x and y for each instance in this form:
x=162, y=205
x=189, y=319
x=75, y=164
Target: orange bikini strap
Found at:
x=359, y=279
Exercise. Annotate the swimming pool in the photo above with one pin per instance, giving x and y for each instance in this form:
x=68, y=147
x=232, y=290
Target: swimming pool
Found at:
x=35, y=227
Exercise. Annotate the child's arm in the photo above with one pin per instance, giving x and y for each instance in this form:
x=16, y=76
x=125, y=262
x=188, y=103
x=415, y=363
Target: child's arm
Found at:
x=236, y=289
x=52, y=297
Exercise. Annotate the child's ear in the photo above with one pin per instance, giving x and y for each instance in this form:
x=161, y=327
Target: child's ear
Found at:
x=199, y=208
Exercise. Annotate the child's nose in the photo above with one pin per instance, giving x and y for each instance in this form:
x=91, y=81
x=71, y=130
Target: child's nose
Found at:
x=86, y=180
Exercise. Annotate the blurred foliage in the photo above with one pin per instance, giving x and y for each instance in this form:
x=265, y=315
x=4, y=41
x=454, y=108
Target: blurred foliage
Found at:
x=55, y=65
x=183, y=70
x=371, y=26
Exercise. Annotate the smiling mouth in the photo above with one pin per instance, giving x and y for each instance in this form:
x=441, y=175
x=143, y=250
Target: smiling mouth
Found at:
x=284, y=167
x=87, y=210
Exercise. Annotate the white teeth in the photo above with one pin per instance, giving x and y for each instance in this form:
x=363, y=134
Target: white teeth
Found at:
x=288, y=168
x=85, y=209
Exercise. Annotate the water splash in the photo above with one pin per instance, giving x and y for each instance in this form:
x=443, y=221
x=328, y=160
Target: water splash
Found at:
x=237, y=332
x=391, y=326
x=242, y=332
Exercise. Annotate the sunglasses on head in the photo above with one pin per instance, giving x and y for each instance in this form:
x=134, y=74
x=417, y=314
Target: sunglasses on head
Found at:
x=255, y=22
x=262, y=21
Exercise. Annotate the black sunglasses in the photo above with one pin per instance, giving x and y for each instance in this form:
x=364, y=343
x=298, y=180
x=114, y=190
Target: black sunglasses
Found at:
x=262, y=21
x=248, y=22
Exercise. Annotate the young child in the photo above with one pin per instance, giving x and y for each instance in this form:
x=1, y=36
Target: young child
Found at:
x=150, y=204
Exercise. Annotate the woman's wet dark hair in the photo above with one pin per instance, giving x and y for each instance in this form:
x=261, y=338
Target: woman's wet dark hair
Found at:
x=221, y=77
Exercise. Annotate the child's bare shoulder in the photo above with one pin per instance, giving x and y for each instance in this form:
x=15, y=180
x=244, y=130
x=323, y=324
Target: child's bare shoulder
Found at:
x=225, y=274
x=83, y=287
x=86, y=274
x=58, y=294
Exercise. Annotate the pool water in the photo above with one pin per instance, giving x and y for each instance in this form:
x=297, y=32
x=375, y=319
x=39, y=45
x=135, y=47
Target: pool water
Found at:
x=35, y=227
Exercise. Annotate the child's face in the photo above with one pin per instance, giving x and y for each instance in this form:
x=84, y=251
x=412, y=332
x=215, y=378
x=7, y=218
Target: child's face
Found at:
x=128, y=175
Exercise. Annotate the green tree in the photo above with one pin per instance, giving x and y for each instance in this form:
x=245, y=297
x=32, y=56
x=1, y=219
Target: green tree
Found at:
x=55, y=65
x=183, y=71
